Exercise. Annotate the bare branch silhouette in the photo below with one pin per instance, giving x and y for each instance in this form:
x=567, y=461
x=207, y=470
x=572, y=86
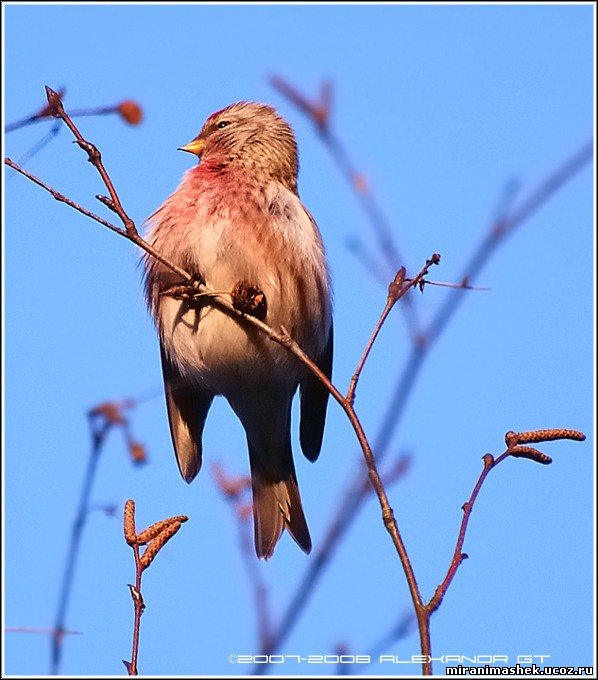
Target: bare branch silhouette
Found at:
x=319, y=113
x=129, y=110
x=190, y=288
x=235, y=490
x=99, y=434
x=39, y=631
x=513, y=441
x=102, y=419
x=511, y=214
x=283, y=338
x=156, y=536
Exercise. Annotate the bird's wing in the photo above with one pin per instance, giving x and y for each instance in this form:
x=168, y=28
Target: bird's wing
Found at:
x=188, y=406
x=314, y=399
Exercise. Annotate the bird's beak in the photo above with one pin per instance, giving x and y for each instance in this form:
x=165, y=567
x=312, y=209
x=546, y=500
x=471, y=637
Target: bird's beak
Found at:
x=195, y=146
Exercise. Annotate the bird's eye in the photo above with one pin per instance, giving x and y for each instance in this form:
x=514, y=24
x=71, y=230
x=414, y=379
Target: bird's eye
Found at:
x=222, y=124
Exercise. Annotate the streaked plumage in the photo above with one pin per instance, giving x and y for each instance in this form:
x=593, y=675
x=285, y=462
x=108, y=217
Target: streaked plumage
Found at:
x=237, y=217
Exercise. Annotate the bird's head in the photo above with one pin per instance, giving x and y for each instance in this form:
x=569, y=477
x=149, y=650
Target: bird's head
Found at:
x=251, y=135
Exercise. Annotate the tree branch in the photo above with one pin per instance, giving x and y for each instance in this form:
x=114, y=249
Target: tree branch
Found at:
x=156, y=536
x=514, y=441
x=517, y=444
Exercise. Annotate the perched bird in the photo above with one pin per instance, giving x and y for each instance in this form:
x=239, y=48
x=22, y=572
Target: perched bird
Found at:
x=237, y=223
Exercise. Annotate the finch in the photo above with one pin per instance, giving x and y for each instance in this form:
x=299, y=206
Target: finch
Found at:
x=236, y=222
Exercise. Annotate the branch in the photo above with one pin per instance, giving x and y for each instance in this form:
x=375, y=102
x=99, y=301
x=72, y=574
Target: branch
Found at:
x=516, y=448
x=353, y=498
x=102, y=419
x=128, y=110
x=396, y=290
x=319, y=114
x=233, y=489
x=99, y=435
x=283, y=338
x=39, y=631
x=194, y=289
x=157, y=535
x=42, y=114
x=487, y=248
x=39, y=145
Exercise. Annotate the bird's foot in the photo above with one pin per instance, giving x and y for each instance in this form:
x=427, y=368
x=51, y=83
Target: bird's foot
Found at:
x=186, y=291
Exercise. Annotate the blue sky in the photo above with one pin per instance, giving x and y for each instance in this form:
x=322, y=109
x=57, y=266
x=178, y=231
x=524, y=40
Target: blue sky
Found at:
x=441, y=107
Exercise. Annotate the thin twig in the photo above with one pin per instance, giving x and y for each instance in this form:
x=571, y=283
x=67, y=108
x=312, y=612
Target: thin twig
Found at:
x=396, y=290
x=513, y=441
x=463, y=285
x=138, y=607
x=38, y=146
x=459, y=556
x=61, y=198
x=352, y=499
x=94, y=157
x=390, y=303
x=135, y=590
x=234, y=490
x=129, y=110
x=319, y=114
x=284, y=339
x=39, y=631
x=258, y=584
x=157, y=535
x=74, y=549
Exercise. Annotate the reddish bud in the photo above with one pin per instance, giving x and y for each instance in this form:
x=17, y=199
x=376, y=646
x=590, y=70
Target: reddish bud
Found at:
x=137, y=453
x=131, y=112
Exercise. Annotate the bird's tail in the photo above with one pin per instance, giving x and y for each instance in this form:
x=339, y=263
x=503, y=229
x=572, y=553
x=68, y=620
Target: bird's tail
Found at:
x=276, y=505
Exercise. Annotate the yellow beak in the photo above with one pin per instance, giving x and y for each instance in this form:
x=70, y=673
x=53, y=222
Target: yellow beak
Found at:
x=195, y=146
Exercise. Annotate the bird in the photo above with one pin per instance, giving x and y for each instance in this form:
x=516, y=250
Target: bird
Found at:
x=236, y=223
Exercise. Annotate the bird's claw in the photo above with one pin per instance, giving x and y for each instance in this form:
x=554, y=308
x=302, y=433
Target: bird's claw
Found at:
x=186, y=291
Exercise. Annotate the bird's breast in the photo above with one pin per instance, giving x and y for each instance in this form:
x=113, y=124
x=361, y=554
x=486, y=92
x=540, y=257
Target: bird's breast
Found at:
x=260, y=235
